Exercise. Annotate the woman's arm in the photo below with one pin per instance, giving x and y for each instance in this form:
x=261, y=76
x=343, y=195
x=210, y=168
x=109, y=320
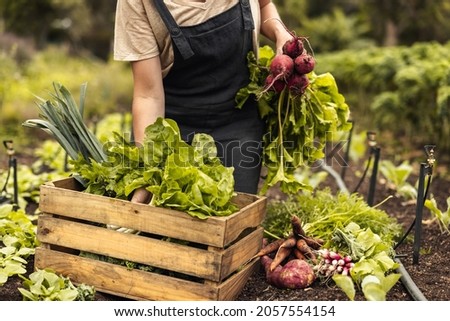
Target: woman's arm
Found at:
x=271, y=25
x=148, y=95
x=147, y=106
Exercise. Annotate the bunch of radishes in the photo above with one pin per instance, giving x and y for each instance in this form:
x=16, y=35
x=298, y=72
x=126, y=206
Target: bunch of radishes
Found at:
x=332, y=262
x=290, y=68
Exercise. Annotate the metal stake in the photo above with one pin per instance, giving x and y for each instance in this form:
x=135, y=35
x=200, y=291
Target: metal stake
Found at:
x=12, y=165
x=375, y=151
x=426, y=169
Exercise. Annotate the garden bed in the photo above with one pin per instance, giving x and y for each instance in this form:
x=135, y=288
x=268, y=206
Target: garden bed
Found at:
x=430, y=275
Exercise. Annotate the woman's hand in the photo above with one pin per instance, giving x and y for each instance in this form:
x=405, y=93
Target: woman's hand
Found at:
x=272, y=27
x=282, y=38
x=141, y=195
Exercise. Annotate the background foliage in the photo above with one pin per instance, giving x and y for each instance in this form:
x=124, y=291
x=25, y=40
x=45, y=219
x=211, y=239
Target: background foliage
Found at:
x=390, y=59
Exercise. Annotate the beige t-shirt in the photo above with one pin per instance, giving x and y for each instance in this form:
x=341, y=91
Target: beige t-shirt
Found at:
x=140, y=32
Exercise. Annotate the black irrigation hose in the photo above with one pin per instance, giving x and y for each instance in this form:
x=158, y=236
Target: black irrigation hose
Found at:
x=414, y=221
x=411, y=287
x=364, y=174
x=406, y=279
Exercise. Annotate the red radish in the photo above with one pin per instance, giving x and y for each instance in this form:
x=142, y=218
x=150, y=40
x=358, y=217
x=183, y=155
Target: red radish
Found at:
x=345, y=271
x=333, y=262
x=293, y=47
x=304, y=63
x=334, y=256
x=297, y=85
x=325, y=253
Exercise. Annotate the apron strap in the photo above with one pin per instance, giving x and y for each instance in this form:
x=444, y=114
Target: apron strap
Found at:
x=247, y=15
x=175, y=32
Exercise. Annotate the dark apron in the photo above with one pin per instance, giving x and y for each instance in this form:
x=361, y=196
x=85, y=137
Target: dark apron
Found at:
x=210, y=66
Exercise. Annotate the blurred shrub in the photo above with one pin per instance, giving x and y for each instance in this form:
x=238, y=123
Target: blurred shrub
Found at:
x=109, y=85
x=402, y=90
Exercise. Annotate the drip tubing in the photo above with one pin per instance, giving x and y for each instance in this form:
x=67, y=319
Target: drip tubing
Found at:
x=411, y=287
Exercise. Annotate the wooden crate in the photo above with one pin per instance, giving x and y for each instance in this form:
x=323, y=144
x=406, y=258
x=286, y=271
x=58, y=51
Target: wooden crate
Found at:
x=211, y=260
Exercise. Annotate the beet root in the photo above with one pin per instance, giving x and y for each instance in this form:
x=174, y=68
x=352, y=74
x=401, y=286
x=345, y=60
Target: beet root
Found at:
x=282, y=66
x=297, y=83
x=276, y=85
x=304, y=64
x=293, y=47
x=272, y=277
x=295, y=274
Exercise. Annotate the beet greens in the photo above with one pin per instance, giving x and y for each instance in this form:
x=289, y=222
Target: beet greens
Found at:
x=300, y=117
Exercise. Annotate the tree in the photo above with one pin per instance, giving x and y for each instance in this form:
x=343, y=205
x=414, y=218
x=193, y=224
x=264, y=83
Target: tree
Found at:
x=76, y=22
x=408, y=21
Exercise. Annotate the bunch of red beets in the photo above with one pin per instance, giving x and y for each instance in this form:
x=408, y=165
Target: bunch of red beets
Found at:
x=290, y=68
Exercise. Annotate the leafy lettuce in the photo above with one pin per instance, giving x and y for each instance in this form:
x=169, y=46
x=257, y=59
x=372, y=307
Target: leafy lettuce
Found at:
x=181, y=176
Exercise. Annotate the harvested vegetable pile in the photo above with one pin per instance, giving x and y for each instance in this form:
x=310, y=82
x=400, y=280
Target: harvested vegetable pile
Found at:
x=302, y=111
x=357, y=247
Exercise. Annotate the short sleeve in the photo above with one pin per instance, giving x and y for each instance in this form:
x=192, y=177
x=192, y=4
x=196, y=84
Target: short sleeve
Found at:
x=134, y=38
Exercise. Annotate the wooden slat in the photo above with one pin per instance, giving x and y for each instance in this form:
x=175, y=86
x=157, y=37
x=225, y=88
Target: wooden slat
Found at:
x=134, y=248
x=142, y=217
x=232, y=287
x=241, y=252
x=251, y=215
x=118, y=280
x=214, y=231
x=66, y=183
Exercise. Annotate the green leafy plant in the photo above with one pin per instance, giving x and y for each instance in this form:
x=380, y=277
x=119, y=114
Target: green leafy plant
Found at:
x=322, y=212
x=397, y=178
x=442, y=217
x=17, y=241
x=46, y=285
x=29, y=181
x=186, y=177
x=382, y=83
x=374, y=264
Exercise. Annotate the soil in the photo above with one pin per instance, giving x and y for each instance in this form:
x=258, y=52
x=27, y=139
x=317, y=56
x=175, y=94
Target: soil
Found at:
x=427, y=279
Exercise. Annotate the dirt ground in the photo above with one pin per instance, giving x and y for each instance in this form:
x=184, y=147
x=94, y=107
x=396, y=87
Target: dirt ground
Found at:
x=429, y=279
x=431, y=276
